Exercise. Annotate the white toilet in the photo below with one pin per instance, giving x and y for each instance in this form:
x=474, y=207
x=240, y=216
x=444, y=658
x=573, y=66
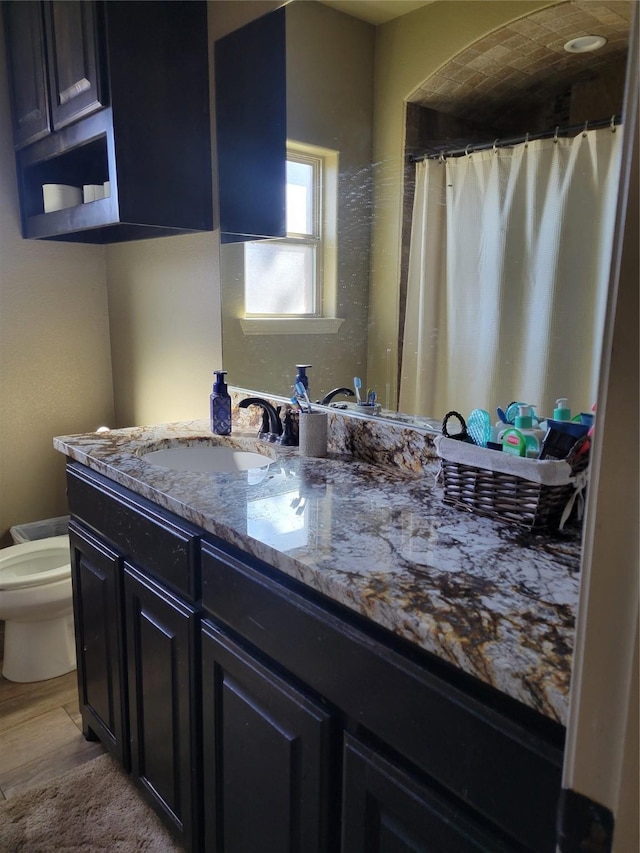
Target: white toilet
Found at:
x=36, y=605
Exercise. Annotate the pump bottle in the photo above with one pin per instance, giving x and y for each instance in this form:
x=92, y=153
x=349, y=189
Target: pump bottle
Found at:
x=562, y=412
x=220, y=405
x=301, y=375
x=524, y=425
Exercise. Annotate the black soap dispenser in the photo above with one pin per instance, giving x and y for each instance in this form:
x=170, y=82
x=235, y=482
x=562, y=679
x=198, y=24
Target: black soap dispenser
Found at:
x=220, y=405
x=301, y=375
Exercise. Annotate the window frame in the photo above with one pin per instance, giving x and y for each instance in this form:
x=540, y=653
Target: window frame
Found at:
x=324, y=163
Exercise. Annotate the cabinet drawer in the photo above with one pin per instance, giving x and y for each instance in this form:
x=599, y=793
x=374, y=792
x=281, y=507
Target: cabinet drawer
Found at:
x=494, y=763
x=163, y=545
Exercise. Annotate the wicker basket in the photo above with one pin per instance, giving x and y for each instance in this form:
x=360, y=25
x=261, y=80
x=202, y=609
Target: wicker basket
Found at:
x=529, y=493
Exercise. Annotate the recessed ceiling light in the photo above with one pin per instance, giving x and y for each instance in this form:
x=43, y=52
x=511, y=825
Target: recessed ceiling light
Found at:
x=585, y=44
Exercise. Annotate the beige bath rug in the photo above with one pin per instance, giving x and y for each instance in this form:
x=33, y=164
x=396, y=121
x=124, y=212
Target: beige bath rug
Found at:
x=93, y=807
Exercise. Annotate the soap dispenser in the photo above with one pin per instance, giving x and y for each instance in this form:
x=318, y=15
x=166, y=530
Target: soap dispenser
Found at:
x=562, y=412
x=220, y=405
x=301, y=375
x=532, y=436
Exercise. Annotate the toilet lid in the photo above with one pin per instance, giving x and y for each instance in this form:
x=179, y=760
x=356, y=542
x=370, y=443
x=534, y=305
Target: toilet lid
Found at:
x=35, y=563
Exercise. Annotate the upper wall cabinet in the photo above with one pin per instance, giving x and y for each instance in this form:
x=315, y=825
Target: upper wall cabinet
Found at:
x=24, y=27
x=112, y=97
x=55, y=79
x=73, y=60
x=251, y=128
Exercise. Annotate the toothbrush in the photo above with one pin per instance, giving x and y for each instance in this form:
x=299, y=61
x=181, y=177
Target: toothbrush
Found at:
x=296, y=403
x=302, y=392
x=372, y=398
x=357, y=384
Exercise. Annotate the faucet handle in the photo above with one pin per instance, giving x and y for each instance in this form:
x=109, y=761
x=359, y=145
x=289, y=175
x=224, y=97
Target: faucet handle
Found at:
x=289, y=437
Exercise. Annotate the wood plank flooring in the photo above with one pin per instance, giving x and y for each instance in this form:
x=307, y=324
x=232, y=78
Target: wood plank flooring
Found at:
x=40, y=731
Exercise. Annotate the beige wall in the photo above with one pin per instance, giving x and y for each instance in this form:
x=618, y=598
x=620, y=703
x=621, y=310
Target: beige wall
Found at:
x=55, y=360
x=408, y=50
x=165, y=327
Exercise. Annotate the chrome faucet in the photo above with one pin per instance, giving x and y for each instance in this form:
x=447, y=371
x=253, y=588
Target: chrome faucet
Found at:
x=329, y=397
x=271, y=425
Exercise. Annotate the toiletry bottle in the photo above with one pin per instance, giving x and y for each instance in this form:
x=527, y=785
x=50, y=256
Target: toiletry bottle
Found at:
x=562, y=412
x=514, y=442
x=523, y=419
x=301, y=375
x=532, y=436
x=220, y=405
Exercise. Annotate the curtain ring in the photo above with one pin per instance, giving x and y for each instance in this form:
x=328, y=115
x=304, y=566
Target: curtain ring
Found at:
x=613, y=124
x=526, y=139
x=441, y=158
x=555, y=135
x=466, y=150
x=495, y=145
x=584, y=132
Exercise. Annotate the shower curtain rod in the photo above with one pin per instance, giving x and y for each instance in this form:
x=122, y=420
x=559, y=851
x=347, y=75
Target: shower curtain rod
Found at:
x=516, y=140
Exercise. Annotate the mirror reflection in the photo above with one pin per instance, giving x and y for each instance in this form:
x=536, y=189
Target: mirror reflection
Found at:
x=474, y=308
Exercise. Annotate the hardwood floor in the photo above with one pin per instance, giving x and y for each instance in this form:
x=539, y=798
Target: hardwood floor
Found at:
x=40, y=731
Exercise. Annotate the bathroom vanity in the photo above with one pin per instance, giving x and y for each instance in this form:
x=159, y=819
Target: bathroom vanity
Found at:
x=318, y=655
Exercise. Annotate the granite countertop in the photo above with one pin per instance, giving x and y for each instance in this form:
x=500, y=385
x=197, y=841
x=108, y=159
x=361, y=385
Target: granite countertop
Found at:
x=496, y=602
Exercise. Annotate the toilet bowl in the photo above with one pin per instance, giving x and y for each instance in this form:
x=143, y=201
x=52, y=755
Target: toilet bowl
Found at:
x=36, y=605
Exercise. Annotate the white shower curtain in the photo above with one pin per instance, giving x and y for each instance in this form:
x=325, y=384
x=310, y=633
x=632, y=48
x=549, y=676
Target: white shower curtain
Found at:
x=508, y=276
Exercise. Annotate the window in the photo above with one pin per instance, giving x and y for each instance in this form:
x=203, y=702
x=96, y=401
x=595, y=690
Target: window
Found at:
x=294, y=278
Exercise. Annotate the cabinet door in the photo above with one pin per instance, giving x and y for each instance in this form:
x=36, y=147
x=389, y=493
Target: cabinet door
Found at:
x=24, y=31
x=251, y=126
x=267, y=758
x=160, y=632
x=97, y=580
x=75, y=84
x=386, y=811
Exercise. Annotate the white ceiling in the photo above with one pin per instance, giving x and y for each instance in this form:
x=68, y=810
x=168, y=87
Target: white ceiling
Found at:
x=376, y=11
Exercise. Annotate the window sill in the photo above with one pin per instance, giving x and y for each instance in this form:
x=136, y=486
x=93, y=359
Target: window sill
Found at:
x=290, y=326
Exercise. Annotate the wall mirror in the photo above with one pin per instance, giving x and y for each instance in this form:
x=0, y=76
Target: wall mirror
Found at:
x=443, y=77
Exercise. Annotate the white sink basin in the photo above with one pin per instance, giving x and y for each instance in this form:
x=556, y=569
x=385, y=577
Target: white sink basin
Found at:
x=205, y=459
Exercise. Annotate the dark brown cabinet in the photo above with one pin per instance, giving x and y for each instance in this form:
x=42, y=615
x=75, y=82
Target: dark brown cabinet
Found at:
x=250, y=73
x=269, y=757
x=256, y=714
x=73, y=60
x=160, y=655
x=111, y=92
x=24, y=29
x=97, y=603
x=137, y=639
x=494, y=763
x=54, y=65
x=387, y=811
